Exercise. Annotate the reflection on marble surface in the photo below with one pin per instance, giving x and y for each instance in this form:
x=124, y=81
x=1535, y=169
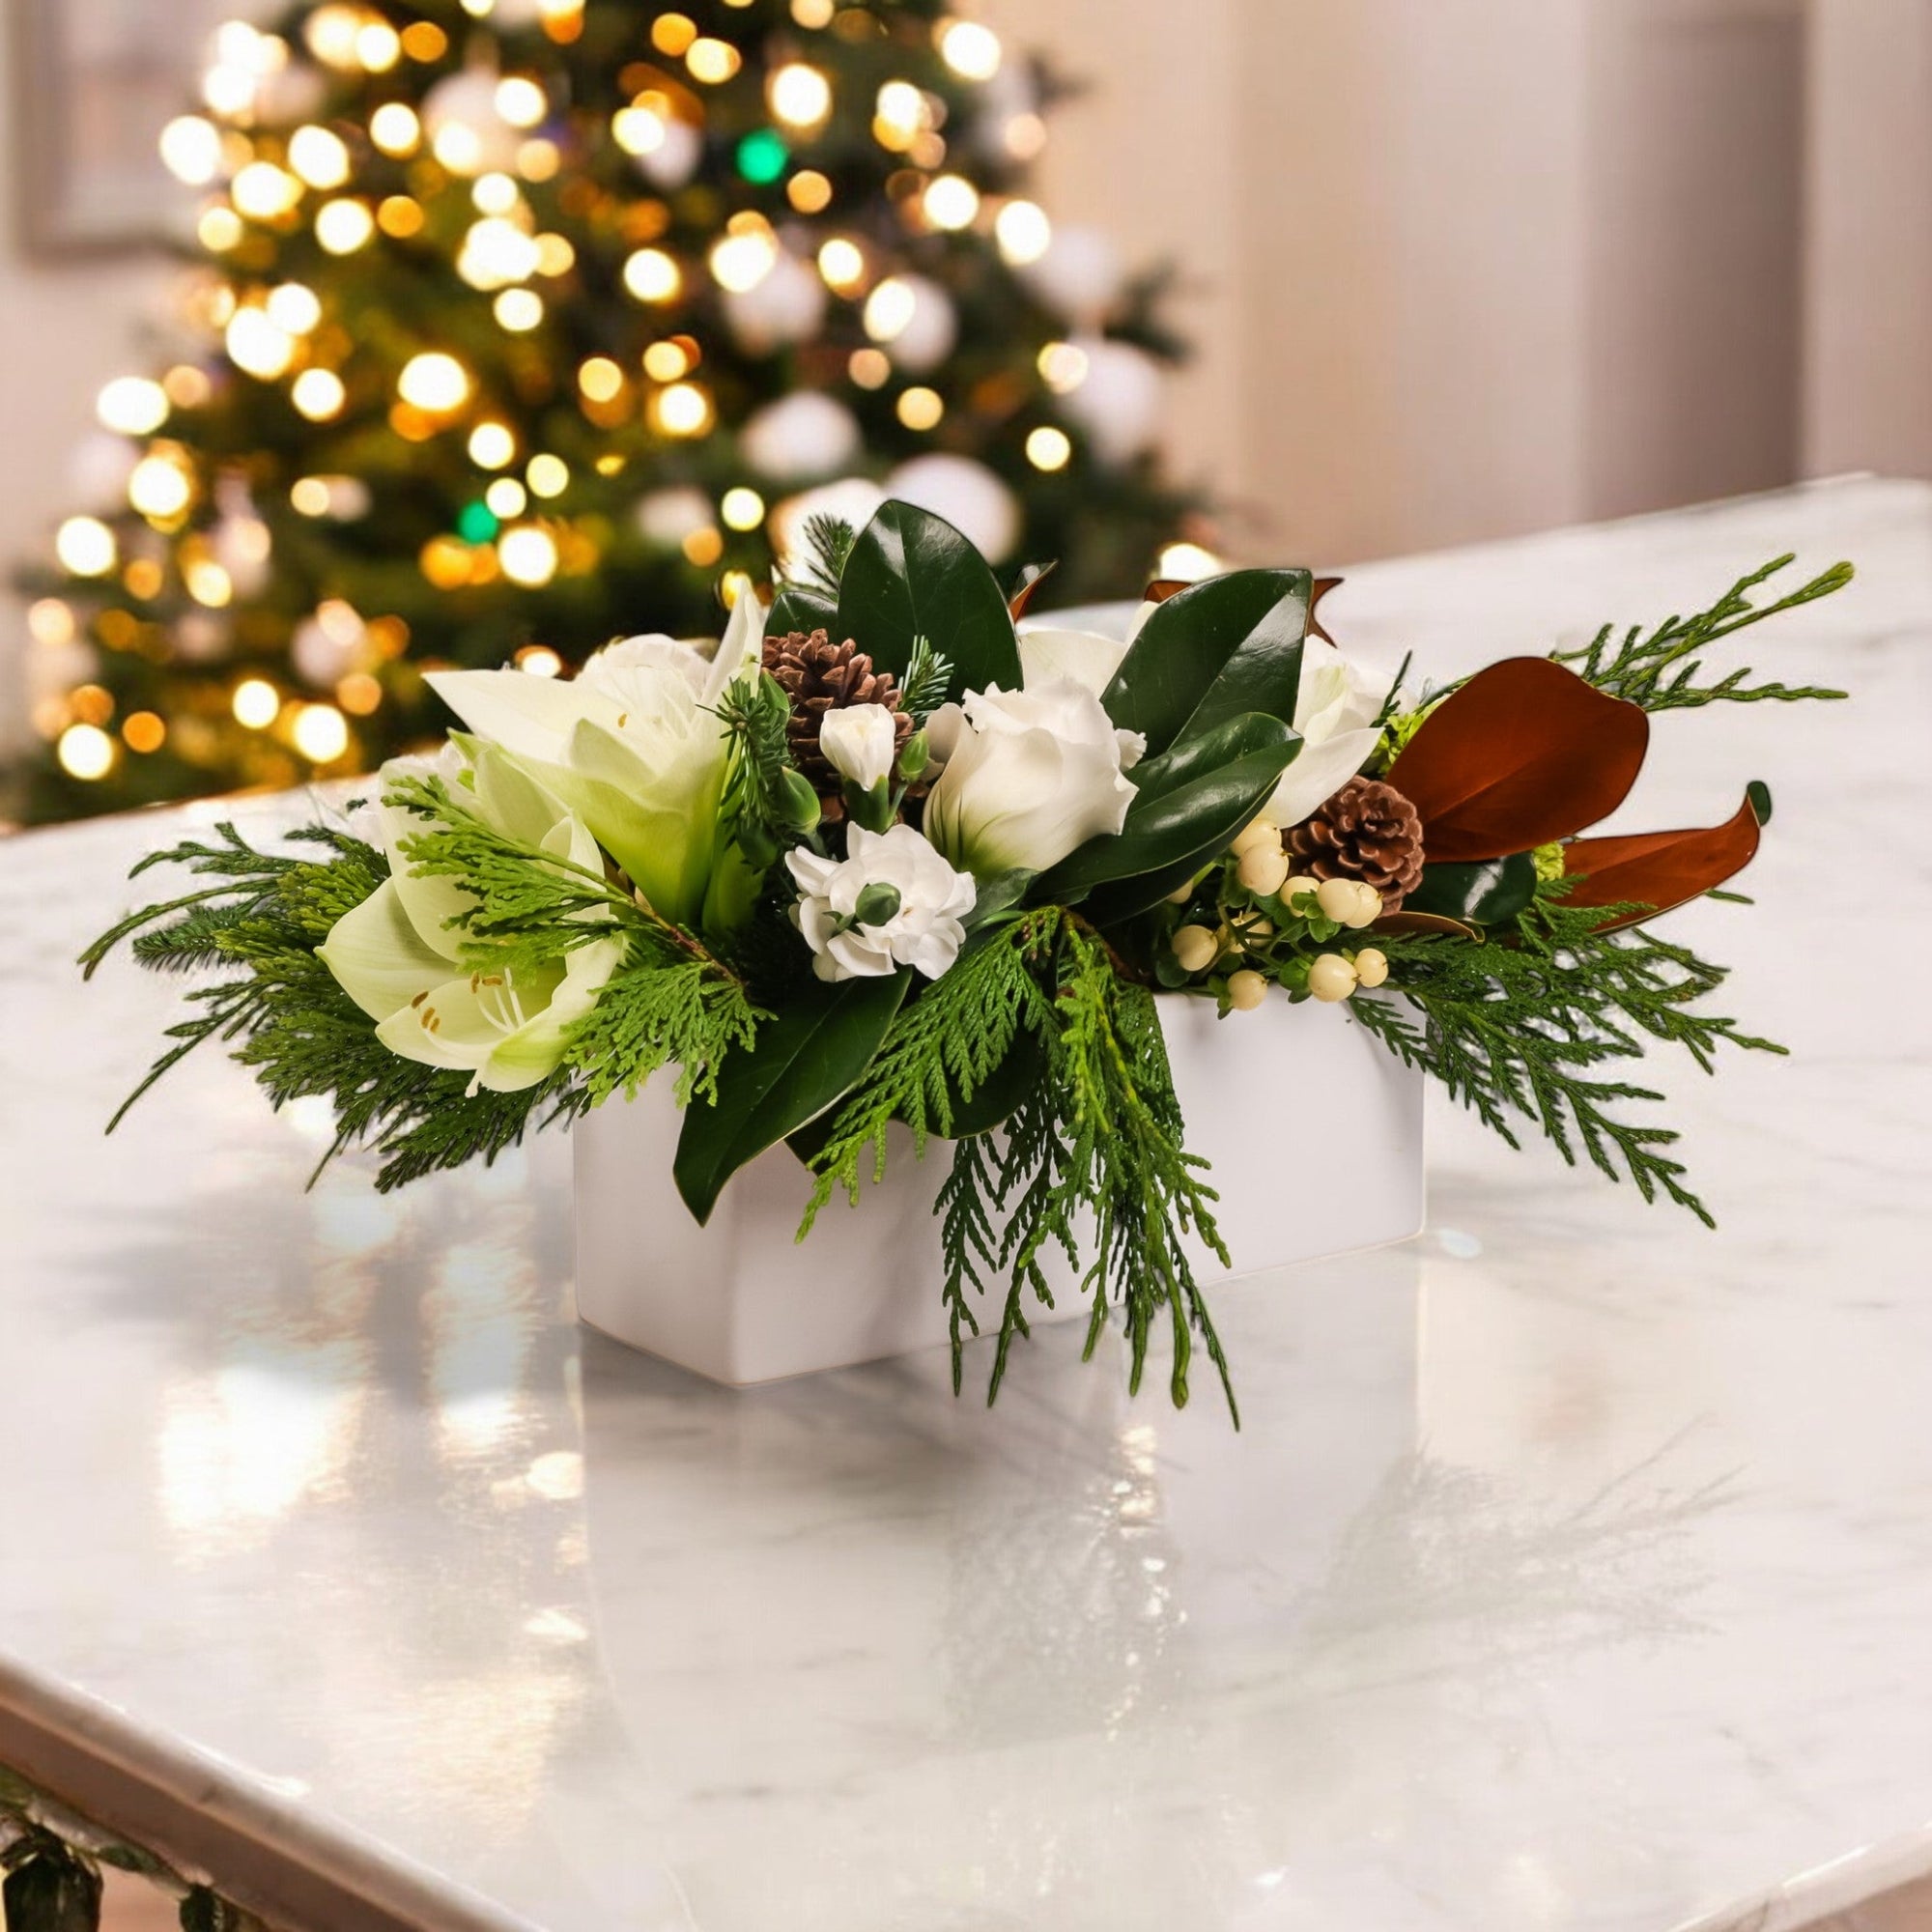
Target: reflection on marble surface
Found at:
x=1574, y=1569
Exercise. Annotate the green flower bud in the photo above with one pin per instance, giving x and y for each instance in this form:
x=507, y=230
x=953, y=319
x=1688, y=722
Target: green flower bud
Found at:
x=877, y=904
x=916, y=756
x=801, y=803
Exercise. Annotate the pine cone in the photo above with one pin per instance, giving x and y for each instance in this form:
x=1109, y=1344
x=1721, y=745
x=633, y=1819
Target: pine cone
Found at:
x=1367, y=830
x=820, y=676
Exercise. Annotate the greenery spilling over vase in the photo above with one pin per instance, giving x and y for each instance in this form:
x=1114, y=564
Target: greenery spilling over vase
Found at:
x=891, y=852
x=506, y=318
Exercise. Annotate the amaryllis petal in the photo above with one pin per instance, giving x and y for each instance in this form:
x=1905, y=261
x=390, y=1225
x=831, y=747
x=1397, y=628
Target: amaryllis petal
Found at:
x=1659, y=870
x=1523, y=753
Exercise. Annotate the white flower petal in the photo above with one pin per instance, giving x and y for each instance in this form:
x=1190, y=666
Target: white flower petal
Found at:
x=1087, y=657
x=378, y=957
x=1318, y=773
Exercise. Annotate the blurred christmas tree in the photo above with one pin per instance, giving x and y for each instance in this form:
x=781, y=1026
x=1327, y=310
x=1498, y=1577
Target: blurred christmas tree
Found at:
x=516, y=325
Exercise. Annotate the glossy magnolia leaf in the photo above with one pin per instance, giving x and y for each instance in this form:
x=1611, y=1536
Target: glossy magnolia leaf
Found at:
x=1176, y=831
x=1484, y=894
x=912, y=575
x=1032, y=576
x=1757, y=795
x=1523, y=753
x=1228, y=645
x=1659, y=870
x=1181, y=797
x=799, y=607
x=798, y=1065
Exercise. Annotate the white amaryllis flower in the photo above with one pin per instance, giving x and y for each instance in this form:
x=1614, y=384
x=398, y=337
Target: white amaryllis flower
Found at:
x=632, y=744
x=1335, y=710
x=859, y=742
x=1028, y=776
x=397, y=954
x=892, y=901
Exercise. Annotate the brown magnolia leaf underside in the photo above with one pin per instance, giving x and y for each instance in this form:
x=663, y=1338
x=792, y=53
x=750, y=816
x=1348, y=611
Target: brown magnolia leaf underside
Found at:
x=1523, y=753
x=1407, y=925
x=1318, y=590
x=1032, y=576
x=1659, y=870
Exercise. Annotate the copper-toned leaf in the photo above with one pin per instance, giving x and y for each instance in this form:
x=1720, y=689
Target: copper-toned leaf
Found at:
x=1032, y=576
x=1523, y=754
x=1406, y=924
x=1164, y=587
x=1659, y=870
x=1318, y=590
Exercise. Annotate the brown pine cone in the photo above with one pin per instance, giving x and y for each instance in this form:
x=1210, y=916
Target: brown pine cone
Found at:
x=819, y=676
x=1367, y=830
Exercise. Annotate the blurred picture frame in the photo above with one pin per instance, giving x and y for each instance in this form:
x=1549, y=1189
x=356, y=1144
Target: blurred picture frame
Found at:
x=93, y=82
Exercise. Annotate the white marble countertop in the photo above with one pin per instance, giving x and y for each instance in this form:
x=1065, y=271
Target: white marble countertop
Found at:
x=1574, y=1569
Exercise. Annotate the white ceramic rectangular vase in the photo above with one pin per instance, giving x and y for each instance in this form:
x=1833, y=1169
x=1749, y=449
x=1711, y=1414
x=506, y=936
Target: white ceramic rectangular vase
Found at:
x=1313, y=1128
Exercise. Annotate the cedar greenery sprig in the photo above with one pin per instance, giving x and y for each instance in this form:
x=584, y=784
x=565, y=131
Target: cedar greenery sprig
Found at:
x=1515, y=1031
x=1659, y=670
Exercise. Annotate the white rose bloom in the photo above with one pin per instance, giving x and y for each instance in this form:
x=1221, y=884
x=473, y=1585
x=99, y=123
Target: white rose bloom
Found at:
x=398, y=957
x=1029, y=775
x=923, y=930
x=632, y=744
x=1335, y=710
x=859, y=742
x=1050, y=649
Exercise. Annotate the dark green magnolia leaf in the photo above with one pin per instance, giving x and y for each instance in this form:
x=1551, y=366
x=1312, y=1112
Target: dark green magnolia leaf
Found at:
x=998, y=893
x=912, y=575
x=799, y=1065
x=1210, y=652
x=1171, y=834
x=1759, y=794
x=1201, y=753
x=1485, y=892
x=799, y=607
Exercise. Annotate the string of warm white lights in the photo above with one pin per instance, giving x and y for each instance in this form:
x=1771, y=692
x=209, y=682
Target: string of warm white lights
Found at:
x=541, y=308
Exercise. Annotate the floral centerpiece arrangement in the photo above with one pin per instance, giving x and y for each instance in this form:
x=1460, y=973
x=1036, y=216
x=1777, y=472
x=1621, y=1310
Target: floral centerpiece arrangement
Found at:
x=888, y=854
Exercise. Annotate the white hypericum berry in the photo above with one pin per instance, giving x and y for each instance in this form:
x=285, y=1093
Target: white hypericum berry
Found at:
x=1181, y=894
x=1298, y=886
x=1246, y=991
x=1263, y=868
x=1257, y=832
x=1195, y=946
x=1368, y=906
x=1371, y=966
x=1337, y=897
x=1331, y=977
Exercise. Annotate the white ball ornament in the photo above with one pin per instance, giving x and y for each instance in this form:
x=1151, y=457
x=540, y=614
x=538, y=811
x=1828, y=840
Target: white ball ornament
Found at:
x=1246, y=991
x=1118, y=402
x=1079, y=276
x=1195, y=947
x=1331, y=977
x=930, y=328
x=323, y=655
x=468, y=101
x=668, y=517
x=967, y=494
x=787, y=305
x=1372, y=967
x=800, y=436
x=674, y=160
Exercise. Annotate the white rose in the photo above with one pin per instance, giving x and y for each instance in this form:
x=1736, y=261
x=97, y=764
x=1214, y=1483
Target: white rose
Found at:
x=1050, y=650
x=1336, y=706
x=913, y=905
x=632, y=744
x=859, y=742
x=1028, y=777
x=398, y=955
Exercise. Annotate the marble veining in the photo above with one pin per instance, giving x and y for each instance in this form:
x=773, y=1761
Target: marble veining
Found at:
x=1573, y=1570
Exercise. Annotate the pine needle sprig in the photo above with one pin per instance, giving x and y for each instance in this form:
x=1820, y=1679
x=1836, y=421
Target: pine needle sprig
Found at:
x=1523, y=1032
x=943, y=1046
x=1659, y=670
x=819, y=561
x=928, y=676
x=756, y=712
